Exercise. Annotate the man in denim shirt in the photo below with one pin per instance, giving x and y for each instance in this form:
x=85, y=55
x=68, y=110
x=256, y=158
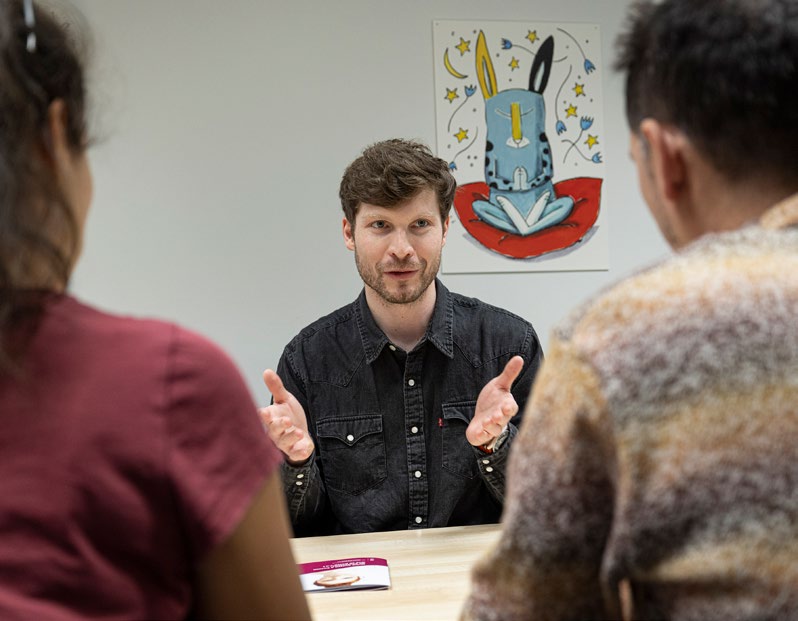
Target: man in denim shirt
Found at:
x=398, y=410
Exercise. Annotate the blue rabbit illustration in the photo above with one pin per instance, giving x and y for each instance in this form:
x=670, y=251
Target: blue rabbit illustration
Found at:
x=518, y=158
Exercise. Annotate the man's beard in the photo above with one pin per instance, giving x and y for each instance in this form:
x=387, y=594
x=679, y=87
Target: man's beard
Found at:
x=407, y=293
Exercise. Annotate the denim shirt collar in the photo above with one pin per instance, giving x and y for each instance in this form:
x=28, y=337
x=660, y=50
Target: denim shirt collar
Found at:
x=439, y=331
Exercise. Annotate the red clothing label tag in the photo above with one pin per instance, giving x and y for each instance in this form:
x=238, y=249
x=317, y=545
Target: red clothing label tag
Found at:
x=440, y=422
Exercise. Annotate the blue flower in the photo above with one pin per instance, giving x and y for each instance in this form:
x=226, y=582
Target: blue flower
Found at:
x=597, y=158
x=560, y=127
x=452, y=166
x=586, y=122
x=589, y=66
x=470, y=90
x=506, y=44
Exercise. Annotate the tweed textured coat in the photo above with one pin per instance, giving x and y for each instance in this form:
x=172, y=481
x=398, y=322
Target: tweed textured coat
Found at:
x=659, y=453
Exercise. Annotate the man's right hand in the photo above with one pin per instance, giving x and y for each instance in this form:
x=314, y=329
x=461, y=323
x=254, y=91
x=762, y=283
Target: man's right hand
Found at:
x=285, y=421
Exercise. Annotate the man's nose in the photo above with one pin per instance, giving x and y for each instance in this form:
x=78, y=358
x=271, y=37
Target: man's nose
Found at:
x=400, y=246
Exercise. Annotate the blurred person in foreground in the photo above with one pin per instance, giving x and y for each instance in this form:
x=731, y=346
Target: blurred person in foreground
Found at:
x=137, y=481
x=656, y=473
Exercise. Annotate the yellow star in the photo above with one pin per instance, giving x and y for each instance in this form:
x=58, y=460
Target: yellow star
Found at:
x=570, y=111
x=532, y=36
x=463, y=46
x=451, y=94
x=579, y=89
x=513, y=64
x=591, y=140
x=461, y=135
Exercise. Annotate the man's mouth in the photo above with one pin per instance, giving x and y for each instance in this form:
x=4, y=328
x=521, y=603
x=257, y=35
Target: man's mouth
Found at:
x=400, y=273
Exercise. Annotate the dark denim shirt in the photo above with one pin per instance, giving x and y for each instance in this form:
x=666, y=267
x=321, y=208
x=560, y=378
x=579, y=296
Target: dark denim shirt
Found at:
x=389, y=425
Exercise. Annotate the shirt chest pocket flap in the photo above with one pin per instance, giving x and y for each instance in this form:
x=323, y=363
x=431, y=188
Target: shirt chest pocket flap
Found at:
x=352, y=450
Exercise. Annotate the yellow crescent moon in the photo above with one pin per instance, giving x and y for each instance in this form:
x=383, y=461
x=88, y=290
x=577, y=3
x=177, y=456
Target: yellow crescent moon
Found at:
x=449, y=67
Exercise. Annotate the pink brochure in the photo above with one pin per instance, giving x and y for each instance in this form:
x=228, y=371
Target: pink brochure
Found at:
x=346, y=574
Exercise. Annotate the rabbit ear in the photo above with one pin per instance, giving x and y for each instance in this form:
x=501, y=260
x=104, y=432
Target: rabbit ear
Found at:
x=485, y=73
x=541, y=67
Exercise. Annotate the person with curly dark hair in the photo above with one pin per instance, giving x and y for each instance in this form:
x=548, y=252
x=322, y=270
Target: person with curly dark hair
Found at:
x=656, y=474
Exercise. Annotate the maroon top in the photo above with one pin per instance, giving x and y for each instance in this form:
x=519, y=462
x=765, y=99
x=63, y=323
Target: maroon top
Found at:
x=129, y=449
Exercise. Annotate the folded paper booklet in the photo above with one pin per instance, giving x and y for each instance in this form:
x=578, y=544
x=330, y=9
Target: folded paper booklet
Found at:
x=346, y=574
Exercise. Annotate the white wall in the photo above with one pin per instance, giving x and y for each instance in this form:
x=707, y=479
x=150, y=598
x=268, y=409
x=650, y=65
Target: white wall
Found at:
x=224, y=127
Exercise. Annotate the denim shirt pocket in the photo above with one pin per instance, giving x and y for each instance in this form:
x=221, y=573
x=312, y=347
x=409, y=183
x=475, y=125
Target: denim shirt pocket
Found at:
x=458, y=455
x=352, y=450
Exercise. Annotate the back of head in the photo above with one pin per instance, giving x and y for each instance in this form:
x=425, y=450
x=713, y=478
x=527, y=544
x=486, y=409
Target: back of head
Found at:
x=393, y=171
x=40, y=62
x=724, y=72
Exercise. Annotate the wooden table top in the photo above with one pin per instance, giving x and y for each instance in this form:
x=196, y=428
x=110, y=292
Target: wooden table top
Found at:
x=430, y=572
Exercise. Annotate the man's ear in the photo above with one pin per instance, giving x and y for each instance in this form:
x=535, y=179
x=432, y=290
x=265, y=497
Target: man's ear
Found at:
x=667, y=154
x=57, y=149
x=349, y=235
x=445, y=229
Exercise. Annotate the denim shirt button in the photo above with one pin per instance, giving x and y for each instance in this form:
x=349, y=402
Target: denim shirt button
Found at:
x=302, y=476
x=350, y=437
x=299, y=483
x=392, y=347
x=414, y=429
x=411, y=382
x=418, y=520
x=417, y=474
x=489, y=469
x=486, y=461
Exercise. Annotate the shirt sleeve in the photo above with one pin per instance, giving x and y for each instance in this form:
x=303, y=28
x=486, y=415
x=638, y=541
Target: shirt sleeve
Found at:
x=522, y=388
x=492, y=468
x=305, y=492
x=559, y=505
x=219, y=455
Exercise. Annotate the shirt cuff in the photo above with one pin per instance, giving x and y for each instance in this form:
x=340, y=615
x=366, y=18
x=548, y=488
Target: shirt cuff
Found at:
x=297, y=478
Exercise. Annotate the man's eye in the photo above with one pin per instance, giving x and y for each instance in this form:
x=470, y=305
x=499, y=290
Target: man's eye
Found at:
x=422, y=223
x=379, y=224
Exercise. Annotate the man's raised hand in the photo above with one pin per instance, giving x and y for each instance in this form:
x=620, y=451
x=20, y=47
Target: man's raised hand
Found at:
x=285, y=421
x=495, y=405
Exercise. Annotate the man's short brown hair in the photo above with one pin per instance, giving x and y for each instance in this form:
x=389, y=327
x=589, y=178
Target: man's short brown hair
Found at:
x=390, y=172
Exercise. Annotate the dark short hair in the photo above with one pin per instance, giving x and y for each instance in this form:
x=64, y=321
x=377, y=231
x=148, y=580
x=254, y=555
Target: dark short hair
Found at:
x=390, y=172
x=725, y=72
x=31, y=202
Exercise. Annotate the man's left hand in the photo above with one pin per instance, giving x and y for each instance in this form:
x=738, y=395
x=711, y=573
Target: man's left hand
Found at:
x=495, y=405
